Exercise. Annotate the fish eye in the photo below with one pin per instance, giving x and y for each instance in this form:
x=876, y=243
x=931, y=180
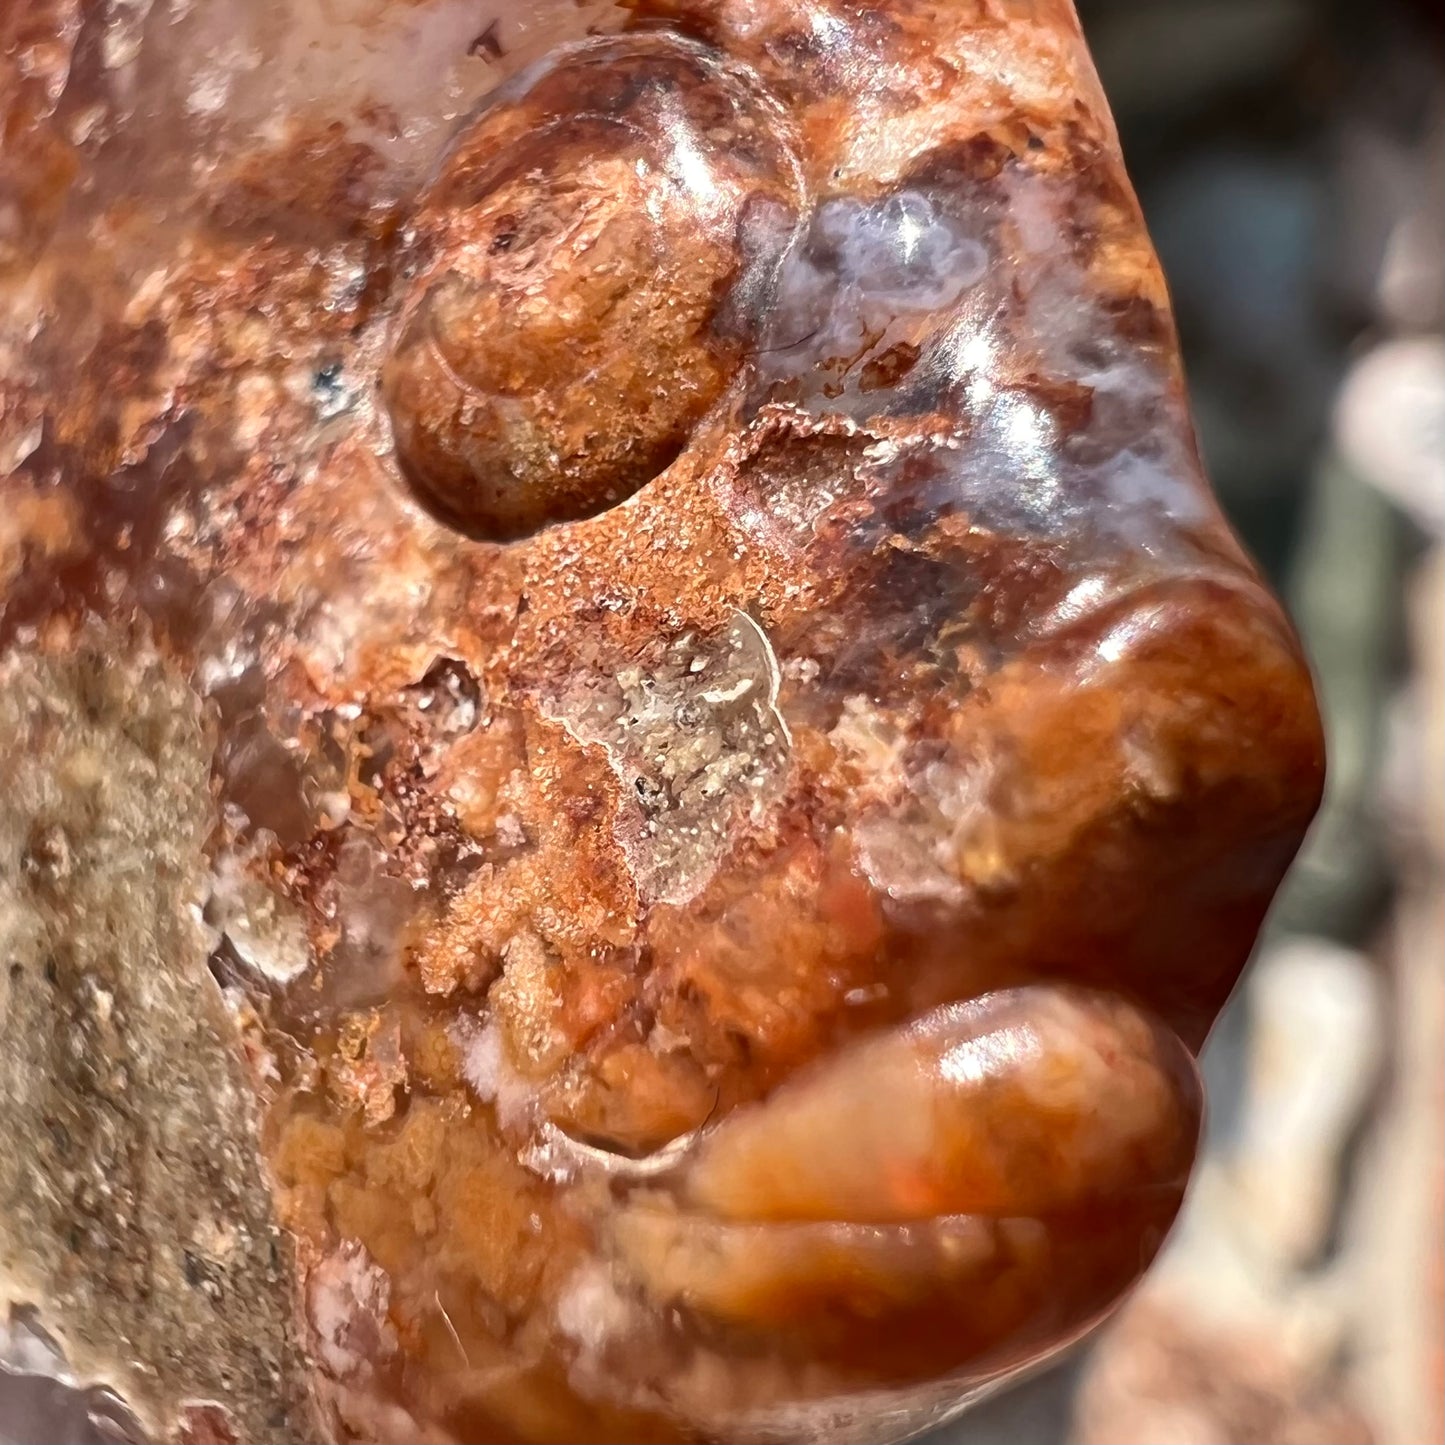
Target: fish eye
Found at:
x=587, y=271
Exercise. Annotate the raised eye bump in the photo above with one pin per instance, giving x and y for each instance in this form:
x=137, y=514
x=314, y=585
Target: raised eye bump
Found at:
x=588, y=267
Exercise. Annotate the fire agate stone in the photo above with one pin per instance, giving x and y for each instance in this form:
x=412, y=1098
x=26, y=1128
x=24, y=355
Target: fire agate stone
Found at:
x=635, y=757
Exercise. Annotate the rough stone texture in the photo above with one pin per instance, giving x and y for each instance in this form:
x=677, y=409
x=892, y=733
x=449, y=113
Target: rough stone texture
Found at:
x=136, y=1230
x=689, y=883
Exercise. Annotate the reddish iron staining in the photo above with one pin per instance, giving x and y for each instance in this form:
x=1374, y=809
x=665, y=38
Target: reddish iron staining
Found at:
x=587, y=266
x=731, y=686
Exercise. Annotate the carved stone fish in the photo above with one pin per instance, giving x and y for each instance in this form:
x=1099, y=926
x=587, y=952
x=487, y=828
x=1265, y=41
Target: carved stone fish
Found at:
x=634, y=755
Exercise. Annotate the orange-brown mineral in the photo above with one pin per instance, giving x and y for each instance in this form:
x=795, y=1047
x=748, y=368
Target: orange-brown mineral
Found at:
x=635, y=757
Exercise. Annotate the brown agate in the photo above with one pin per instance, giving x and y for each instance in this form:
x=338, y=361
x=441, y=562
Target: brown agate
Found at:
x=743, y=757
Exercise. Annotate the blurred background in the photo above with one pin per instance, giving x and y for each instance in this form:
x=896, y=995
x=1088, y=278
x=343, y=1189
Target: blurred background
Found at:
x=1290, y=157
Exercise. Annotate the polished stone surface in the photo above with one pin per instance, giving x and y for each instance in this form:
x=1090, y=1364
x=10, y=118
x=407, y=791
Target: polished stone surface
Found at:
x=746, y=758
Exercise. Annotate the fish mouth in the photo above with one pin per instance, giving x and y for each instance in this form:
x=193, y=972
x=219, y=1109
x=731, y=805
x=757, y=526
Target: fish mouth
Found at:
x=947, y=1197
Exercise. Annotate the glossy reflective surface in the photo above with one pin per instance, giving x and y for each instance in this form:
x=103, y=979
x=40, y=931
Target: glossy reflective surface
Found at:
x=746, y=758
x=591, y=265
